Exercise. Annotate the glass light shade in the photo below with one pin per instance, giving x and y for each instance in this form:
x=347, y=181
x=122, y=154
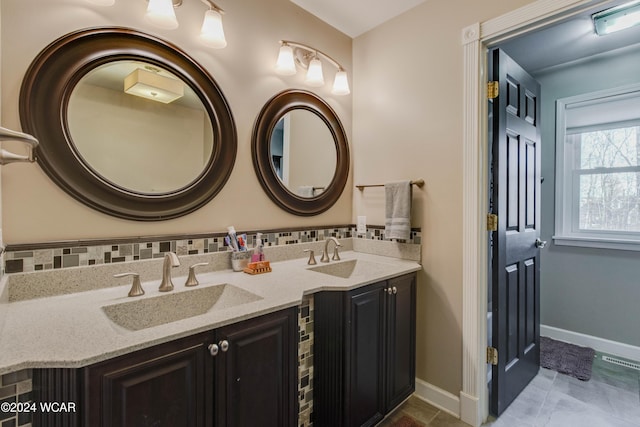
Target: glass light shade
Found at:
x=285, y=65
x=212, y=33
x=161, y=14
x=103, y=2
x=341, y=84
x=314, y=73
x=617, y=18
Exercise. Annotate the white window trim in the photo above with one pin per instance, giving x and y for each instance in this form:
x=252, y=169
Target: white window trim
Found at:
x=564, y=235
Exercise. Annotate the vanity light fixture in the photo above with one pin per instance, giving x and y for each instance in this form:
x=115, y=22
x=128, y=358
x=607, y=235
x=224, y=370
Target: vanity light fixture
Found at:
x=212, y=32
x=293, y=53
x=161, y=13
x=617, y=18
x=150, y=84
x=314, y=73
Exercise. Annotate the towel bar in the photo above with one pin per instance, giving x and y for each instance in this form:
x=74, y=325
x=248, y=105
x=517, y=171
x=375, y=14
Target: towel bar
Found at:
x=7, y=157
x=417, y=182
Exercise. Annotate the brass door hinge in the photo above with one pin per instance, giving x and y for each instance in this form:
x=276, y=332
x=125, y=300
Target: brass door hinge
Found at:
x=492, y=90
x=492, y=355
x=492, y=222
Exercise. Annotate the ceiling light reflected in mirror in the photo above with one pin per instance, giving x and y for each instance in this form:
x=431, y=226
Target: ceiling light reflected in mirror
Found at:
x=150, y=84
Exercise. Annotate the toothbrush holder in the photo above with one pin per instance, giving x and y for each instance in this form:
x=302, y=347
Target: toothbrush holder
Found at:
x=239, y=260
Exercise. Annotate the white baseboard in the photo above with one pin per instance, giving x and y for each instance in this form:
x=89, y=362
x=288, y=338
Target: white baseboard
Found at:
x=438, y=397
x=470, y=411
x=599, y=344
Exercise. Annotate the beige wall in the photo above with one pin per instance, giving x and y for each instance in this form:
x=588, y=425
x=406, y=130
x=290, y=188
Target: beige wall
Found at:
x=407, y=116
x=35, y=210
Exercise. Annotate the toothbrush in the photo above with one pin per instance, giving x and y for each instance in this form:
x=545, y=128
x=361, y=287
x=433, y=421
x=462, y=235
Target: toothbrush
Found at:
x=233, y=242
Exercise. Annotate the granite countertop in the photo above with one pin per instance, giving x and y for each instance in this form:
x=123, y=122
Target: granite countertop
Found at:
x=72, y=330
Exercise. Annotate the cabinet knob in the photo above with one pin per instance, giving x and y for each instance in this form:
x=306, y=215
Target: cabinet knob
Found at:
x=213, y=349
x=395, y=290
x=389, y=291
x=224, y=345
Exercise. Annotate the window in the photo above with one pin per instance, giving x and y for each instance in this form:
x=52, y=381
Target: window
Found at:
x=598, y=170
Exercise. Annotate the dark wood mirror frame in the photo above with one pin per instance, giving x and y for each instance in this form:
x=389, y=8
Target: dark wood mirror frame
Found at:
x=266, y=121
x=44, y=98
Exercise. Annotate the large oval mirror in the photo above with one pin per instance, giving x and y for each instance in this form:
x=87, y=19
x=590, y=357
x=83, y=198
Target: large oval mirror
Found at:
x=173, y=138
x=128, y=124
x=300, y=152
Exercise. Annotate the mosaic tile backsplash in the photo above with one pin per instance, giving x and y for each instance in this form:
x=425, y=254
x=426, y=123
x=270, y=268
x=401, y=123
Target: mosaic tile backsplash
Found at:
x=305, y=362
x=38, y=257
x=16, y=387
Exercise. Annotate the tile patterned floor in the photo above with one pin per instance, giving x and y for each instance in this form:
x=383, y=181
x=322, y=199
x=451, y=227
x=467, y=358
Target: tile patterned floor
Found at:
x=424, y=414
x=610, y=399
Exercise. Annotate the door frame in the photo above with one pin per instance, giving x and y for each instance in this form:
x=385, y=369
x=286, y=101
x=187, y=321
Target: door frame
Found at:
x=476, y=39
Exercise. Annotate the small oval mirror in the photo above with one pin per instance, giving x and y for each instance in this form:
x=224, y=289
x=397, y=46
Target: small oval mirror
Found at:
x=303, y=153
x=300, y=152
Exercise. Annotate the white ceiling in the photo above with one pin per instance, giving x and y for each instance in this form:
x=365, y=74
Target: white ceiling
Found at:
x=567, y=41
x=570, y=40
x=354, y=17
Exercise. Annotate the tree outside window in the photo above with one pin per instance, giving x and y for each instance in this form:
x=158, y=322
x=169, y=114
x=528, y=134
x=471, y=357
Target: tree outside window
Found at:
x=598, y=169
x=608, y=178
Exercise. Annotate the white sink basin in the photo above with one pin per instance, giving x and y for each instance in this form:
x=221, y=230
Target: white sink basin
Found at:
x=144, y=313
x=349, y=268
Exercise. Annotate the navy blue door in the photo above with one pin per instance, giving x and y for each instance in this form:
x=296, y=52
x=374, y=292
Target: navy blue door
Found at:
x=515, y=251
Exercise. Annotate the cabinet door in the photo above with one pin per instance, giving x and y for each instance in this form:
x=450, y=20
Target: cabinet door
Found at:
x=365, y=355
x=156, y=387
x=256, y=378
x=401, y=342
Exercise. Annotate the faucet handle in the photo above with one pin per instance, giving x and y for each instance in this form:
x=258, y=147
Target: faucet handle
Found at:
x=312, y=257
x=336, y=256
x=192, y=280
x=136, y=287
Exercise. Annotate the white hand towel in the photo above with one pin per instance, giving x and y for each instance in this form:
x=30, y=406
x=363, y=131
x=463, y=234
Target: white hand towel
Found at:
x=397, y=210
x=305, y=191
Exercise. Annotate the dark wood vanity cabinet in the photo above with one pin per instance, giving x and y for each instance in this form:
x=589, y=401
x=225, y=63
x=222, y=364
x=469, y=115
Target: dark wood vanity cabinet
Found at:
x=244, y=374
x=364, y=352
x=256, y=378
x=166, y=385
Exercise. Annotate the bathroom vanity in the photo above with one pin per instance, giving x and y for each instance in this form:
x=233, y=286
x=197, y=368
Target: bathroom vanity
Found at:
x=365, y=352
x=235, y=363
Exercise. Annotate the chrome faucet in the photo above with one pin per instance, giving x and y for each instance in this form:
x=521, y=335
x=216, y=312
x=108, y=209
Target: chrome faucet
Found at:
x=325, y=254
x=170, y=260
